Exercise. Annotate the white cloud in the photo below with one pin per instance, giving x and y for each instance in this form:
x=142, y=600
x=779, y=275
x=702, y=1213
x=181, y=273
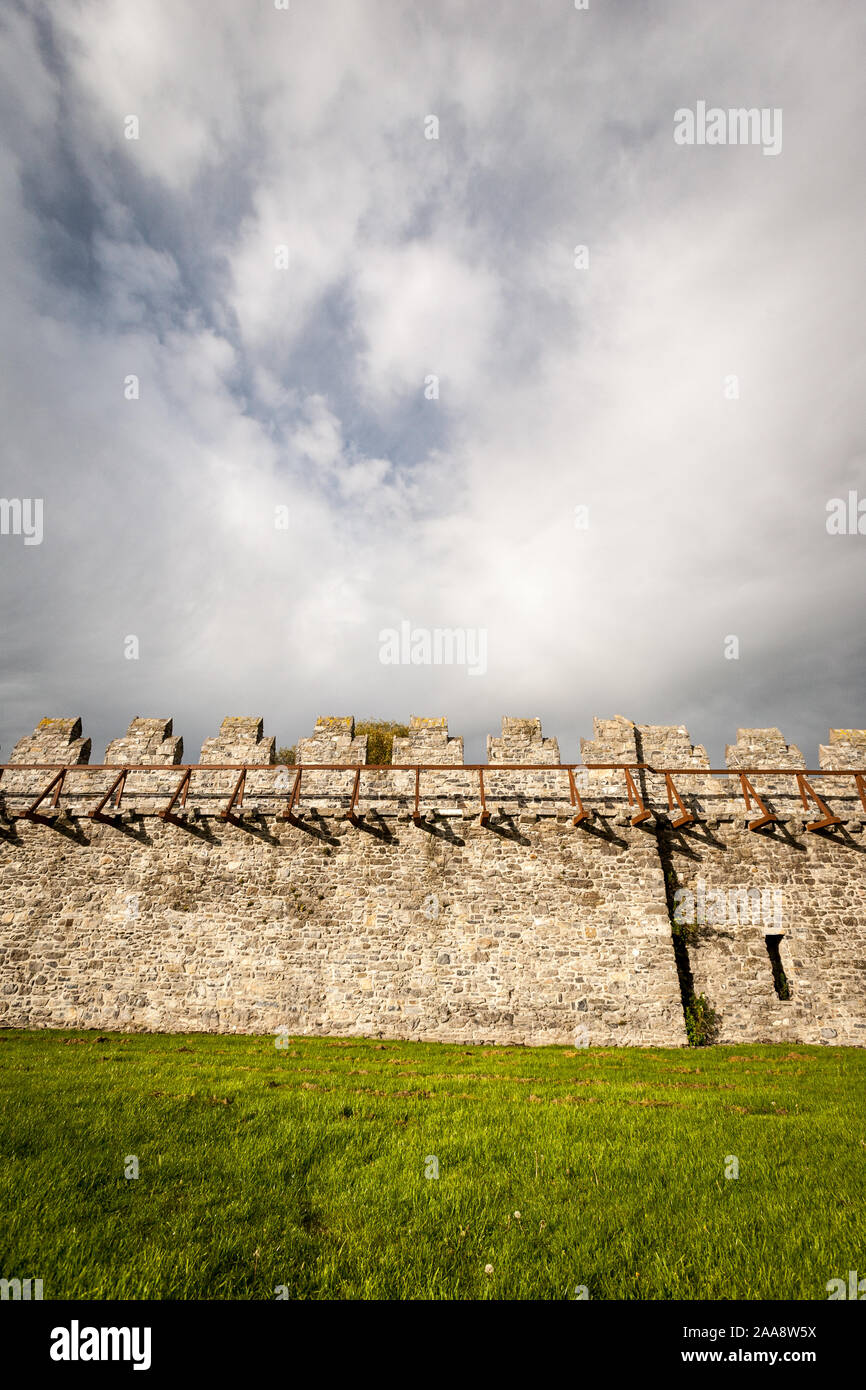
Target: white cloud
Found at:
x=424, y=311
x=304, y=388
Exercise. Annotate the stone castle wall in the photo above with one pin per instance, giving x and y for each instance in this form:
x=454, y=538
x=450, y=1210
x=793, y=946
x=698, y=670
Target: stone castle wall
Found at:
x=324, y=915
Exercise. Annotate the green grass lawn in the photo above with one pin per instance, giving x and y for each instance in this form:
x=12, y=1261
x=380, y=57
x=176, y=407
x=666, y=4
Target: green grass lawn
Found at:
x=305, y=1167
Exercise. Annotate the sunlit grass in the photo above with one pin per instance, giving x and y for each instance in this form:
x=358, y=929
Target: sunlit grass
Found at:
x=304, y=1168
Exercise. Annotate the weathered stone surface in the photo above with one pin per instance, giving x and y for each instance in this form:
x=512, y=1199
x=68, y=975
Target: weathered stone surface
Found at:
x=53, y=741
x=240, y=740
x=522, y=742
x=152, y=743
x=427, y=742
x=333, y=741
x=526, y=929
x=757, y=748
x=847, y=748
x=809, y=890
x=146, y=741
x=613, y=741
x=666, y=745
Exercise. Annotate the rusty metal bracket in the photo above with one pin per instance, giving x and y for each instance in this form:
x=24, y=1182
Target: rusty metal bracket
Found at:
x=352, y=814
x=289, y=813
x=116, y=787
x=181, y=790
x=576, y=800
x=416, y=814
x=635, y=799
x=485, y=814
x=768, y=815
x=829, y=818
x=54, y=785
x=673, y=795
x=860, y=780
x=236, y=796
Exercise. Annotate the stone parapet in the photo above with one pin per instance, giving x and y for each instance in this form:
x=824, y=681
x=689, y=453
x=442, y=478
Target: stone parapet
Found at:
x=521, y=741
x=240, y=740
x=847, y=748
x=333, y=741
x=147, y=741
x=427, y=742
x=53, y=741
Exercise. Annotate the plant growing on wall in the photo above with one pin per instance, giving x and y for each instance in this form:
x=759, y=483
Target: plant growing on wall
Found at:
x=701, y=1020
x=380, y=737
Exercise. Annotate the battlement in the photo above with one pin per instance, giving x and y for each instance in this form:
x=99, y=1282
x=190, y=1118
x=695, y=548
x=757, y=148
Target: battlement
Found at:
x=146, y=741
x=525, y=899
x=522, y=742
x=428, y=741
x=654, y=769
x=333, y=741
x=53, y=741
x=847, y=749
x=240, y=740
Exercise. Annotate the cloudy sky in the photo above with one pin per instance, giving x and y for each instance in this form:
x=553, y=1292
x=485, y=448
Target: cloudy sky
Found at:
x=289, y=253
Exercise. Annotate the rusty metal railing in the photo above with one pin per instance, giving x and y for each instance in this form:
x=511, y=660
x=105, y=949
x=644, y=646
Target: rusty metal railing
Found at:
x=63, y=772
